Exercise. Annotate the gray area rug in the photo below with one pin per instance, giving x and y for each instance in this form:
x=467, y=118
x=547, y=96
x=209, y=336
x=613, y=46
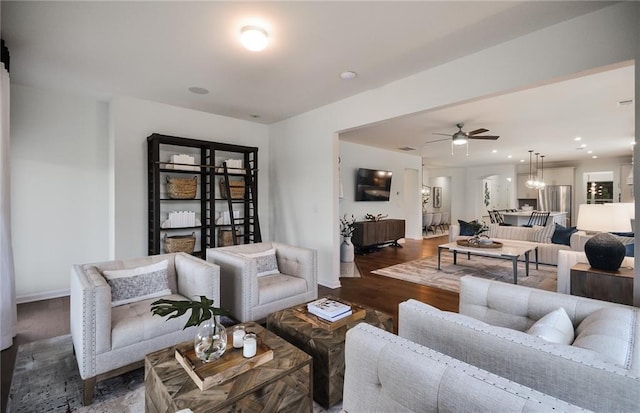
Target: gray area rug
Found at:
x=425, y=271
x=46, y=379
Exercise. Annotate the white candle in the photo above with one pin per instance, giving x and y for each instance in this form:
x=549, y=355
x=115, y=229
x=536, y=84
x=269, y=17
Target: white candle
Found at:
x=250, y=345
x=238, y=336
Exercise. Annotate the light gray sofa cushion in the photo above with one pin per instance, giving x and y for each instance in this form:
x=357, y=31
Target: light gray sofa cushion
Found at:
x=386, y=373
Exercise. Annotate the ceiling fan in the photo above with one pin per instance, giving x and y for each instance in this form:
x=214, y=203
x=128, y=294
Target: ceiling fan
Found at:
x=460, y=137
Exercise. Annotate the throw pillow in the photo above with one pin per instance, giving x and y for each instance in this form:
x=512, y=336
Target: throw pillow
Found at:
x=627, y=239
x=543, y=234
x=469, y=228
x=137, y=284
x=609, y=332
x=266, y=262
x=562, y=235
x=555, y=327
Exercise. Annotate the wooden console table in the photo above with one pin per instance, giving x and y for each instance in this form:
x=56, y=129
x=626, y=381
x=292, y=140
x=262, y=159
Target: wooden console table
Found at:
x=370, y=233
x=613, y=286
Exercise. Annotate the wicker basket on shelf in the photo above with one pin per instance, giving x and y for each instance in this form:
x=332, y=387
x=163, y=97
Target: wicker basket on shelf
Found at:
x=235, y=187
x=182, y=188
x=180, y=243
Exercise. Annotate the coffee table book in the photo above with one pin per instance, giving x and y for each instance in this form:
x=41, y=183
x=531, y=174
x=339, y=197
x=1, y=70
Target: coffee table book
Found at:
x=230, y=365
x=301, y=311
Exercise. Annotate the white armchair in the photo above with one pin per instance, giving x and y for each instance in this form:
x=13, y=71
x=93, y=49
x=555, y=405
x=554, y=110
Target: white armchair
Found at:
x=252, y=286
x=110, y=340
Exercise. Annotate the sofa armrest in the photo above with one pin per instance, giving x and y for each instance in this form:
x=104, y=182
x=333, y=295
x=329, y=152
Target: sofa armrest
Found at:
x=454, y=232
x=238, y=282
x=196, y=277
x=298, y=262
x=90, y=316
x=578, y=239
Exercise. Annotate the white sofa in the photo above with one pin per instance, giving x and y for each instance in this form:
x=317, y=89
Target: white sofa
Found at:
x=386, y=373
x=599, y=371
x=547, y=251
x=567, y=259
x=109, y=341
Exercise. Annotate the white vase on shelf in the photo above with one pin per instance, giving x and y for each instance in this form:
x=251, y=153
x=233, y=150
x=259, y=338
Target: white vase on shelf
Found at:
x=346, y=250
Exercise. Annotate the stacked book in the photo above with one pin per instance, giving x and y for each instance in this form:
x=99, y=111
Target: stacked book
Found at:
x=328, y=309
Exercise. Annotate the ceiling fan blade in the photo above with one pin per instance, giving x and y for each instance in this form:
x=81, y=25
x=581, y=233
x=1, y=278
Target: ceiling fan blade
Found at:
x=486, y=137
x=439, y=140
x=443, y=134
x=477, y=131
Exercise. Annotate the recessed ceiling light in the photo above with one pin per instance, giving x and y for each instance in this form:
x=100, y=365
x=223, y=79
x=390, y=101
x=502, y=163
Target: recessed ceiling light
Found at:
x=348, y=75
x=494, y=151
x=198, y=90
x=521, y=160
x=509, y=156
x=577, y=138
x=584, y=145
x=589, y=151
x=594, y=156
x=254, y=38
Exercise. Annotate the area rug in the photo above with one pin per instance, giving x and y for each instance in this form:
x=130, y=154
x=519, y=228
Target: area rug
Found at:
x=46, y=379
x=425, y=271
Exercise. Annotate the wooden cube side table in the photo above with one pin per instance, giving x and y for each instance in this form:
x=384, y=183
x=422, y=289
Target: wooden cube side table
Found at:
x=613, y=286
x=282, y=384
x=325, y=346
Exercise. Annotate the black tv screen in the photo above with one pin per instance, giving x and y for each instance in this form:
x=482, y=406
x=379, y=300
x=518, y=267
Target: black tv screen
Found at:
x=373, y=185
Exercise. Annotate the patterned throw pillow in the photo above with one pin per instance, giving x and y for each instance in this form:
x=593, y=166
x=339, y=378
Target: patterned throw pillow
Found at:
x=266, y=262
x=543, y=234
x=137, y=284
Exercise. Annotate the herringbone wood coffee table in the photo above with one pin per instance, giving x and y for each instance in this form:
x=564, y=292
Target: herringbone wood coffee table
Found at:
x=325, y=346
x=282, y=384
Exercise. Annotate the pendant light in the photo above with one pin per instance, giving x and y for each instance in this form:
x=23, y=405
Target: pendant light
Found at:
x=541, y=183
x=530, y=182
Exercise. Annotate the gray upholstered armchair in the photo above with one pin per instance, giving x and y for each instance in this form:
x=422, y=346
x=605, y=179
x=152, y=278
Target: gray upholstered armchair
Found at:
x=111, y=322
x=258, y=279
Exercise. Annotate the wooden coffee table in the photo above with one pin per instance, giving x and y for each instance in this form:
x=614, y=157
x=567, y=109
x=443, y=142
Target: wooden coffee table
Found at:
x=509, y=250
x=283, y=383
x=324, y=345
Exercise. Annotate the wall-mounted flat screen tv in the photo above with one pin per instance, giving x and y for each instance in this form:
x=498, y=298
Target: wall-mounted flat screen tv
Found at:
x=373, y=185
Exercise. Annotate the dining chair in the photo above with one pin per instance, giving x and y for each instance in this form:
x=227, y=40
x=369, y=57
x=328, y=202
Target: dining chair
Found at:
x=538, y=218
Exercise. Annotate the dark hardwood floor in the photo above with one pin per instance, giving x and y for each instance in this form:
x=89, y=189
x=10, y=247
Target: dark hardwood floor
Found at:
x=50, y=318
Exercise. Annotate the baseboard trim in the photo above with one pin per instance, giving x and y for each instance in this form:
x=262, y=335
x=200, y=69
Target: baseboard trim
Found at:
x=42, y=296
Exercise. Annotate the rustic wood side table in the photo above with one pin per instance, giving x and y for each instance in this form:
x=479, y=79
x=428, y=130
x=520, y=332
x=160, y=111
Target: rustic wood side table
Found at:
x=325, y=346
x=283, y=383
x=613, y=286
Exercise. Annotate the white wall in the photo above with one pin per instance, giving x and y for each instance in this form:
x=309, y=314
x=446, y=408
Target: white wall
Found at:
x=132, y=120
x=354, y=156
x=59, y=190
x=594, y=40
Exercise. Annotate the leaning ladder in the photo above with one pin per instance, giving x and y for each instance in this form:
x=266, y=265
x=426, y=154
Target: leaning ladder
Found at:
x=249, y=221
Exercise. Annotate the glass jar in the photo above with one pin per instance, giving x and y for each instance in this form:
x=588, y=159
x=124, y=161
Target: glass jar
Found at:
x=211, y=340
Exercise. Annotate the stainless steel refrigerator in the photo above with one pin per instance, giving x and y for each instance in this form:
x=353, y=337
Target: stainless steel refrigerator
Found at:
x=556, y=198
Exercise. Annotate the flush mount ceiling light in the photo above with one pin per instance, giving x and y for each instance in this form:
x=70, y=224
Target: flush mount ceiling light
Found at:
x=254, y=38
x=348, y=75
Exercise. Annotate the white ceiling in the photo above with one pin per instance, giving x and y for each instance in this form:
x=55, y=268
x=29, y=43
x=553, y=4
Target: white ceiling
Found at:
x=545, y=119
x=157, y=50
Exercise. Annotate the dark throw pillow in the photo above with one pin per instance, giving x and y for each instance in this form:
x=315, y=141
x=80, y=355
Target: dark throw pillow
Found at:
x=469, y=228
x=628, y=240
x=562, y=235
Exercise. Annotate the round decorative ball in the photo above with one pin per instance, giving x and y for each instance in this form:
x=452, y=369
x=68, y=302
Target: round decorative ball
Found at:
x=604, y=252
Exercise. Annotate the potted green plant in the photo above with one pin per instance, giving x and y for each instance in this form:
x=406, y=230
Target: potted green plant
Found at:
x=210, y=341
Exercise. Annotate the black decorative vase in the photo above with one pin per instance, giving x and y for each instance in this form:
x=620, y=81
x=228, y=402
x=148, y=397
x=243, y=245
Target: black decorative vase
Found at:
x=604, y=252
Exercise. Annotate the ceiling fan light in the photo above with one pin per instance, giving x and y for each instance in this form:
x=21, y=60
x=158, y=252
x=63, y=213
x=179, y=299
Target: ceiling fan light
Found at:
x=459, y=140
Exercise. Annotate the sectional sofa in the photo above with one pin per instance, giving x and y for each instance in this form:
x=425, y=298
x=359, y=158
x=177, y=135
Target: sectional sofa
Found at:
x=599, y=371
x=547, y=250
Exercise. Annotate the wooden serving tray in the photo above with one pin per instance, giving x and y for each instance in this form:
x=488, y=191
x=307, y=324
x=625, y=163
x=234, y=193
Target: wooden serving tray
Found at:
x=230, y=365
x=301, y=312
x=465, y=243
